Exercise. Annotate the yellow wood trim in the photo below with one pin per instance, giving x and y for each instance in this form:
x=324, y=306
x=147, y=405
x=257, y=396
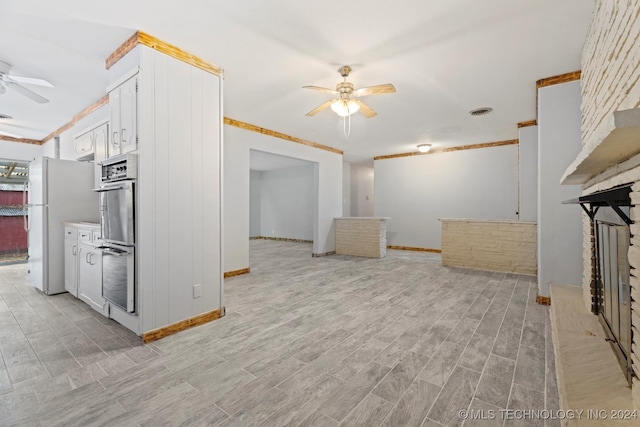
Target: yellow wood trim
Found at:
x=176, y=52
x=258, y=129
x=542, y=300
x=200, y=319
x=81, y=115
x=449, y=149
x=323, y=254
x=410, y=248
x=235, y=273
x=280, y=239
x=122, y=50
x=560, y=78
x=140, y=37
x=22, y=140
x=527, y=124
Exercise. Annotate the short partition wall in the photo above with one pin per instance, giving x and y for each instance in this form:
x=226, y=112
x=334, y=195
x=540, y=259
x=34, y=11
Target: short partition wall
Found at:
x=509, y=246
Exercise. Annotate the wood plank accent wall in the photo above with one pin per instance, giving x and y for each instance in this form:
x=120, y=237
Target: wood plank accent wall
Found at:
x=145, y=39
x=449, y=149
x=258, y=129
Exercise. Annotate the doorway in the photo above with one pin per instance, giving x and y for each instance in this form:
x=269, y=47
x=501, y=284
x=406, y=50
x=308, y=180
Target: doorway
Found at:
x=13, y=237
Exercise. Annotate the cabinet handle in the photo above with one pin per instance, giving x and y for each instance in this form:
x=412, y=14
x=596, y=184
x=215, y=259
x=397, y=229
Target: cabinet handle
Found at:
x=115, y=138
x=75, y=251
x=86, y=258
x=122, y=135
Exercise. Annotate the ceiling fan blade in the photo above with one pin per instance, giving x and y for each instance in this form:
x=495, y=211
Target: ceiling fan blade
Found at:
x=322, y=89
x=365, y=109
x=29, y=81
x=320, y=108
x=375, y=90
x=26, y=92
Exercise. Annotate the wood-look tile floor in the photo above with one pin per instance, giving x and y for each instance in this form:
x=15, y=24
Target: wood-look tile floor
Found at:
x=400, y=341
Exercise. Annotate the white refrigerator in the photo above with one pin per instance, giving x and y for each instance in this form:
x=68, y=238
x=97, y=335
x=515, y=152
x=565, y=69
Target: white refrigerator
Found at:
x=59, y=191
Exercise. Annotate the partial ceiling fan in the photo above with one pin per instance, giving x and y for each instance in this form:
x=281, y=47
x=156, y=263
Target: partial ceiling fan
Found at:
x=16, y=83
x=348, y=102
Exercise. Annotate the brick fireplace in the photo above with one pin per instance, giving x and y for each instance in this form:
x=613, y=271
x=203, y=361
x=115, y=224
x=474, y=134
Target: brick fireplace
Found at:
x=610, y=155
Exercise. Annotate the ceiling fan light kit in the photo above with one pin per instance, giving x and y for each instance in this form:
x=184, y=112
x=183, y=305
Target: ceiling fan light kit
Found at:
x=424, y=148
x=347, y=102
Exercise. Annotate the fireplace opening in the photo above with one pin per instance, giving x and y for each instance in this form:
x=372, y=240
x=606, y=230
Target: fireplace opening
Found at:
x=612, y=282
x=609, y=212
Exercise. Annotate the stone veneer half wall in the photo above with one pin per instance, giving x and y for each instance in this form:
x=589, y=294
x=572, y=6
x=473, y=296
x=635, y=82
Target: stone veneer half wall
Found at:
x=509, y=246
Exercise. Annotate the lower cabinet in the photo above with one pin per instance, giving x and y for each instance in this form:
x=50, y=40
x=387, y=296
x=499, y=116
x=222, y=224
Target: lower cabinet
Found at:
x=90, y=278
x=71, y=266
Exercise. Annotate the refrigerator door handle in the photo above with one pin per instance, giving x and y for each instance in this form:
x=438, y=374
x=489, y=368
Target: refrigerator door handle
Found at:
x=24, y=206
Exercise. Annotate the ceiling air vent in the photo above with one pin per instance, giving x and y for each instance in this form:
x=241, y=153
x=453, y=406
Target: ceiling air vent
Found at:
x=5, y=117
x=481, y=111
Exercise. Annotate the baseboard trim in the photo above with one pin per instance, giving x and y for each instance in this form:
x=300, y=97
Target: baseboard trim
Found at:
x=235, y=273
x=280, y=239
x=542, y=300
x=320, y=255
x=198, y=320
x=411, y=248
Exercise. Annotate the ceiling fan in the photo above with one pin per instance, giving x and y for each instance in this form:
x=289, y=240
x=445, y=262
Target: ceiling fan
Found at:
x=348, y=102
x=16, y=83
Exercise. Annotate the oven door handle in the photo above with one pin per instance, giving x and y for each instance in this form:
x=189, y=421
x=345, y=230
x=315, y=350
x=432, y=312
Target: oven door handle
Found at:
x=109, y=188
x=115, y=253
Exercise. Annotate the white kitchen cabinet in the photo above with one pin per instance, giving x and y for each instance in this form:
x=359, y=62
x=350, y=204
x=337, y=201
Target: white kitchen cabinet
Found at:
x=71, y=263
x=123, y=113
x=92, y=142
x=90, y=278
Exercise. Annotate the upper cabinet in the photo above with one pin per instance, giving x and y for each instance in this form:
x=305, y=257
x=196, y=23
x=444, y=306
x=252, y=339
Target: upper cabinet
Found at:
x=91, y=143
x=123, y=107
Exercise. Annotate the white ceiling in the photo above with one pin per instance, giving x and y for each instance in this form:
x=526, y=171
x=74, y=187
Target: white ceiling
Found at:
x=262, y=161
x=445, y=57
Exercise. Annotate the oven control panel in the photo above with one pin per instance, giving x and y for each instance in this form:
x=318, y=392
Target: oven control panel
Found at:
x=120, y=167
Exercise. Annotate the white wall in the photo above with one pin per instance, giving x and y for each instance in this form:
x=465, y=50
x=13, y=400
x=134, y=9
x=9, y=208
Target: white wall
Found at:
x=346, y=189
x=528, y=173
x=287, y=202
x=416, y=191
x=19, y=151
x=362, y=203
x=255, y=181
x=559, y=226
x=237, y=143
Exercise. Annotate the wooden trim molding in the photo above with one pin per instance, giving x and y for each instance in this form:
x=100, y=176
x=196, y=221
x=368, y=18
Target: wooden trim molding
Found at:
x=411, y=248
x=258, y=129
x=81, y=115
x=280, y=239
x=542, y=300
x=322, y=254
x=527, y=123
x=560, y=78
x=449, y=149
x=235, y=273
x=22, y=140
x=198, y=320
x=145, y=39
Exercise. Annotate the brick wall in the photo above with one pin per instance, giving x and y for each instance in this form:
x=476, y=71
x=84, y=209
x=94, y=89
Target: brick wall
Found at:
x=610, y=70
x=509, y=246
x=365, y=237
x=611, y=82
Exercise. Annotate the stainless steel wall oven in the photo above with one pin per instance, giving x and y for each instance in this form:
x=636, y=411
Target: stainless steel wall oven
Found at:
x=117, y=219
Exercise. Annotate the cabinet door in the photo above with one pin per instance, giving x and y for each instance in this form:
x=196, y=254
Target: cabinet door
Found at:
x=113, y=146
x=84, y=144
x=128, y=115
x=71, y=267
x=100, y=150
x=90, y=278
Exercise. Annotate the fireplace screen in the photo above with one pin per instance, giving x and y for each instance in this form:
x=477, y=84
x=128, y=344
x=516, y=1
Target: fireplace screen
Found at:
x=614, y=308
